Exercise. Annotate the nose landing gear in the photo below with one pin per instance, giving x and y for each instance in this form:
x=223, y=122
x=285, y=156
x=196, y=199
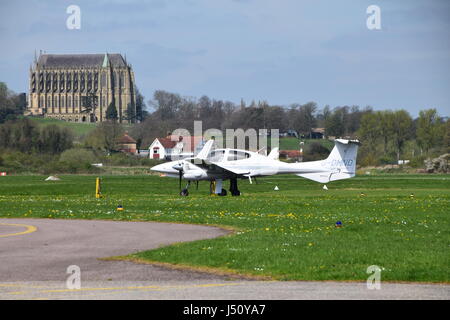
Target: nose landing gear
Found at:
x=185, y=191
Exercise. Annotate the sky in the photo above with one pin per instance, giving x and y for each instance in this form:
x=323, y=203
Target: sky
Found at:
x=281, y=51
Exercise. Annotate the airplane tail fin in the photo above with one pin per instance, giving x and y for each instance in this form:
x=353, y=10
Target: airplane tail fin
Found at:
x=203, y=154
x=340, y=164
x=274, y=154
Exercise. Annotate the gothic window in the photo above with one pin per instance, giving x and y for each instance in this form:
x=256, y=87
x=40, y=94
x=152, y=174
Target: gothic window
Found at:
x=116, y=78
x=69, y=101
x=62, y=82
x=75, y=82
x=41, y=102
x=48, y=81
x=82, y=82
x=75, y=102
x=49, y=102
x=55, y=82
x=103, y=80
x=122, y=83
x=68, y=82
x=95, y=81
x=41, y=82
x=33, y=82
x=89, y=84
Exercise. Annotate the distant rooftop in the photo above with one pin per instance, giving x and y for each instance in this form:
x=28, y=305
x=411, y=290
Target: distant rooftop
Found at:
x=80, y=60
x=126, y=139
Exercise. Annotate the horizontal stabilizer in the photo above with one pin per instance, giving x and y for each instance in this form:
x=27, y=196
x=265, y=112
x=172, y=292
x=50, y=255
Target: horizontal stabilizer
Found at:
x=325, y=177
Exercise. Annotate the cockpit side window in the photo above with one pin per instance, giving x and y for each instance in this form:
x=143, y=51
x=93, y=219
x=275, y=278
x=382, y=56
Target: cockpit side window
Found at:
x=216, y=156
x=237, y=155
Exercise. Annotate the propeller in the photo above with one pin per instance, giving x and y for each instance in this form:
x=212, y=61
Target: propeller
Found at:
x=182, y=168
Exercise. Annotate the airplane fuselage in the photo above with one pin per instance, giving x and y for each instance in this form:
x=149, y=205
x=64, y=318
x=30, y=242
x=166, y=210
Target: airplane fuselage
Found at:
x=223, y=164
x=233, y=162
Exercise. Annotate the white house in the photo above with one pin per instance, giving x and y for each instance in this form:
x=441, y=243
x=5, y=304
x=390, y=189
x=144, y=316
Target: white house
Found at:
x=173, y=147
x=161, y=148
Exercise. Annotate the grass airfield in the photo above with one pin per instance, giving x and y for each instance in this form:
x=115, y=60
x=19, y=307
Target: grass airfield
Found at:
x=400, y=223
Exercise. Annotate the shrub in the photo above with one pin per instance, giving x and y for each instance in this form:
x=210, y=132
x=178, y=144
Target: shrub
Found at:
x=418, y=162
x=78, y=155
x=386, y=159
x=367, y=159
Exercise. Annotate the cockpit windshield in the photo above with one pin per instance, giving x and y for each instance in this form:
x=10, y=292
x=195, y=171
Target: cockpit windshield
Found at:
x=237, y=155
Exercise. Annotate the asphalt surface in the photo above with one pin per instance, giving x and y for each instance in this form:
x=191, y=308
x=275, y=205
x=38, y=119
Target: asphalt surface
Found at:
x=45, y=254
x=35, y=255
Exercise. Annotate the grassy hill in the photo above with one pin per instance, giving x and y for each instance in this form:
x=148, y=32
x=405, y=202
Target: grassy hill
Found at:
x=79, y=128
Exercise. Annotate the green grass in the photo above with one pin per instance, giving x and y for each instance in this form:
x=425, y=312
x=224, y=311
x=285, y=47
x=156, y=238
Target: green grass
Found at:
x=288, y=234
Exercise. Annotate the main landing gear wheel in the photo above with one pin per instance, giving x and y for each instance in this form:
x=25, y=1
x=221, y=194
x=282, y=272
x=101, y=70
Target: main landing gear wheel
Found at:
x=234, y=187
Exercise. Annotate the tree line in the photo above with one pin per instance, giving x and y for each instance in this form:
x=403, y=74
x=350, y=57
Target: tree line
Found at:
x=387, y=136
x=171, y=111
x=25, y=136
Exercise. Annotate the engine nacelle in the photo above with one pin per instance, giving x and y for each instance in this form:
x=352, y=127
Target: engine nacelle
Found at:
x=195, y=175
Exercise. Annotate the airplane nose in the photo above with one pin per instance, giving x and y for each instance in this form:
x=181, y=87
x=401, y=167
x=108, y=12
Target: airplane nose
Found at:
x=159, y=168
x=163, y=168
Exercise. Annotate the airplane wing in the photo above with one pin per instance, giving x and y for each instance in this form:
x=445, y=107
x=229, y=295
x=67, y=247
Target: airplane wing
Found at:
x=231, y=169
x=218, y=167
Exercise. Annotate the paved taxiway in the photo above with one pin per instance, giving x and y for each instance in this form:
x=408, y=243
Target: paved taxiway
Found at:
x=35, y=254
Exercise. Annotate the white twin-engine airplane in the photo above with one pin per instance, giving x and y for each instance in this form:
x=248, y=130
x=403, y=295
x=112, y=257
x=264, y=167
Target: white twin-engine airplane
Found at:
x=222, y=164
